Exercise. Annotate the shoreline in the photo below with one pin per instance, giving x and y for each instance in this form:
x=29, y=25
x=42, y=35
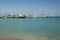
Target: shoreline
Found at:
x=7, y=38
x=29, y=36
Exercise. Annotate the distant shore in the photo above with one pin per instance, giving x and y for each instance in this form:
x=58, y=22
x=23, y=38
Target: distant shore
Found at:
x=30, y=17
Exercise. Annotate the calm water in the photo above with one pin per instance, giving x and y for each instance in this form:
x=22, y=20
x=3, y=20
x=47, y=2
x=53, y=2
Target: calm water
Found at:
x=35, y=27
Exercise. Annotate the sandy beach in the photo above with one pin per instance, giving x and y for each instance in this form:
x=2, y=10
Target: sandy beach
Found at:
x=5, y=38
x=28, y=38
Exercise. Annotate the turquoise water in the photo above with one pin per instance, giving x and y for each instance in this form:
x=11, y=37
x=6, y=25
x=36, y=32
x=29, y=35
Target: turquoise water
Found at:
x=29, y=26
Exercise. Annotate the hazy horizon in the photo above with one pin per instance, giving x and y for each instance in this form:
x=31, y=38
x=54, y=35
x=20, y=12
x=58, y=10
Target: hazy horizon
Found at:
x=30, y=6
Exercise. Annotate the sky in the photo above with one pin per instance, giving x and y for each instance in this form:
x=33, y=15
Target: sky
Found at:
x=30, y=6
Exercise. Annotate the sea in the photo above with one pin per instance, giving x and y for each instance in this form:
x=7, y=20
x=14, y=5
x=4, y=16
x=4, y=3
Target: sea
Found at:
x=30, y=28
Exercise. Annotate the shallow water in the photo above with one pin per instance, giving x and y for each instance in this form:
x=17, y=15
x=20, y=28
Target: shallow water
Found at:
x=30, y=28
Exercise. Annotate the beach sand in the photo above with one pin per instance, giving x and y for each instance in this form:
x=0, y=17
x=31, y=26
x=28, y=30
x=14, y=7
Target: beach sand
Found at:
x=29, y=36
x=4, y=38
x=42, y=38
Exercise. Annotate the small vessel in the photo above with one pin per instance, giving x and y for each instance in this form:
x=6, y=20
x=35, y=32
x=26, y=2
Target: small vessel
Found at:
x=20, y=16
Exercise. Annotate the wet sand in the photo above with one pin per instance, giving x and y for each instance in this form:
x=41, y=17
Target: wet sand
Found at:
x=5, y=38
x=29, y=36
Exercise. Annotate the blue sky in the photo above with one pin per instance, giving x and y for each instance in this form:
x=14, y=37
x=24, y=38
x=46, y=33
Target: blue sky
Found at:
x=31, y=6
